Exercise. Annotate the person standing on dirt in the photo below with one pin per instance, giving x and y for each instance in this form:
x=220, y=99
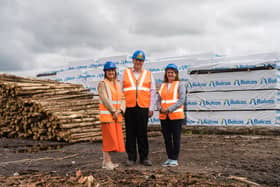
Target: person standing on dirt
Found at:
x=140, y=95
x=170, y=104
x=112, y=106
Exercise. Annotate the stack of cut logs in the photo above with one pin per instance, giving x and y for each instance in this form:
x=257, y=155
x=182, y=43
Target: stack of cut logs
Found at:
x=47, y=110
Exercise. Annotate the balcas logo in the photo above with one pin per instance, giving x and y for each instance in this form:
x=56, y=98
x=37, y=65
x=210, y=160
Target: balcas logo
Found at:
x=244, y=82
x=196, y=84
x=207, y=122
x=261, y=101
x=229, y=102
x=192, y=103
x=219, y=83
x=191, y=122
x=268, y=80
x=232, y=122
x=209, y=103
x=255, y=121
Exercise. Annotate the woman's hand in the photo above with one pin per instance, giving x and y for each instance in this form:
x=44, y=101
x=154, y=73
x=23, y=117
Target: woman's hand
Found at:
x=121, y=112
x=115, y=115
x=163, y=110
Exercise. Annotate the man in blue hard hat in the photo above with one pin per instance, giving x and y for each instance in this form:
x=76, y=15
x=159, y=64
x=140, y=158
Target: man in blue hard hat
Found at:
x=140, y=94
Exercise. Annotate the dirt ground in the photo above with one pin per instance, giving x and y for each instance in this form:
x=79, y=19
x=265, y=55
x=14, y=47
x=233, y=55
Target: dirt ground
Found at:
x=205, y=160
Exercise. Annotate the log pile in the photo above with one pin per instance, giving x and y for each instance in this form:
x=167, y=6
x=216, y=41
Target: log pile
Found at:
x=47, y=110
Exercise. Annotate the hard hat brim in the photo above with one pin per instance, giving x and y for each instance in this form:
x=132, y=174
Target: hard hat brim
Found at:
x=171, y=68
x=108, y=69
x=139, y=59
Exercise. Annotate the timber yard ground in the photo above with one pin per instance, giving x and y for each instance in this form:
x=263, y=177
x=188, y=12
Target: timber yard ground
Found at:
x=205, y=160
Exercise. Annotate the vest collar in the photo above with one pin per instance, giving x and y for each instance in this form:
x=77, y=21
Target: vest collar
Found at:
x=133, y=70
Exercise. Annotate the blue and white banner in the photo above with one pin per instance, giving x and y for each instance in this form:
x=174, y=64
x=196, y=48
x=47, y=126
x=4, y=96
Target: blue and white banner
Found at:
x=244, y=80
x=90, y=72
x=234, y=100
x=90, y=75
x=243, y=90
x=234, y=118
x=241, y=62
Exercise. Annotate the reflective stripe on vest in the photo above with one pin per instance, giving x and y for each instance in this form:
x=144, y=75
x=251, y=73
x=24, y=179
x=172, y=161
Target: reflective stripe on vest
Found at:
x=114, y=94
x=168, y=98
x=133, y=88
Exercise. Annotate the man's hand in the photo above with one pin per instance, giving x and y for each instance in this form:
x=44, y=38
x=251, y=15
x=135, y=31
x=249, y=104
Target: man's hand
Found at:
x=151, y=113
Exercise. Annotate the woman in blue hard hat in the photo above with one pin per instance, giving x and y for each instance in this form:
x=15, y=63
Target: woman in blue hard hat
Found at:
x=170, y=103
x=112, y=106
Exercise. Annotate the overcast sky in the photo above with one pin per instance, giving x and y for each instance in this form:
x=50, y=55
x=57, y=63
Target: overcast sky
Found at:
x=40, y=35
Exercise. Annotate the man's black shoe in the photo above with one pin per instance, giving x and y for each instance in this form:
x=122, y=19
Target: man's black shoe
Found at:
x=146, y=163
x=130, y=163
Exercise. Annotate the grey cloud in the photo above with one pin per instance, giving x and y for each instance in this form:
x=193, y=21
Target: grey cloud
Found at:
x=163, y=18
x=45, y=33
x=13, y=58
x=67, y=25
x=258, y=12
x=49, y=27
x=242, y=14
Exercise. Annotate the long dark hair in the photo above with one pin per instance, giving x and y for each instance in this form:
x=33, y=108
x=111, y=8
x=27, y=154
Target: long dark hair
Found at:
x=165, y=75
x=105, y=76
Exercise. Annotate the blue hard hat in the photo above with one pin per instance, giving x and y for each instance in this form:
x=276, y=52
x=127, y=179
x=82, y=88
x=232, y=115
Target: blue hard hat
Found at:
x=171, y=66
x=109, y=65
x=140, y=55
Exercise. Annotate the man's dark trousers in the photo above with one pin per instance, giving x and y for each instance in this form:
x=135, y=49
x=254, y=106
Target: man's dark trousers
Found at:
x=136, y=122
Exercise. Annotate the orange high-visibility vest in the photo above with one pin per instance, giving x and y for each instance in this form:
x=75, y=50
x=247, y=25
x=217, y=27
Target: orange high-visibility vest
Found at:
x=137, y=91
x=114, y=93
x=168, y=98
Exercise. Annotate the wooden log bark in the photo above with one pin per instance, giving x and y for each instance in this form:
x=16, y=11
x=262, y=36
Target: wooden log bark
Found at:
x=74, y=125
x=47, y=110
